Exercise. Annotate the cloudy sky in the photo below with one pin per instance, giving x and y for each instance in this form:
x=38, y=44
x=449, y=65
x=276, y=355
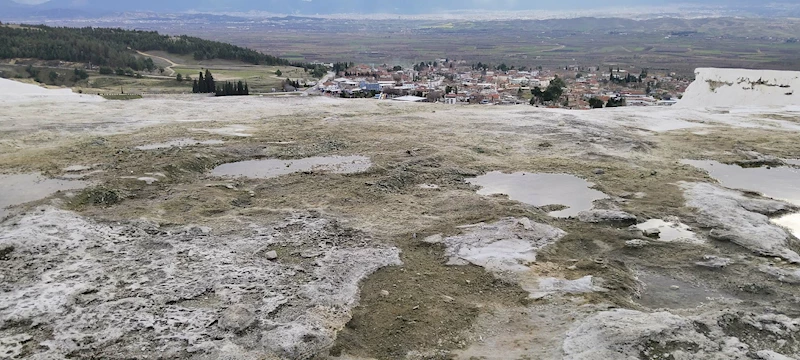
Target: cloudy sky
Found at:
x=363, y=6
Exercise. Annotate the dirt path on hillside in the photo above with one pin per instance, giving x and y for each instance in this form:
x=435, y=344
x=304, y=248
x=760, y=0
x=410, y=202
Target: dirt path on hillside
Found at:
x=168, y=68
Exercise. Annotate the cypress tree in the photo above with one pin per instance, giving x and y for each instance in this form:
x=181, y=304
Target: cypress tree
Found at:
x=195, y=90
x=210, y=80
x=246, y=89
x=202, y=86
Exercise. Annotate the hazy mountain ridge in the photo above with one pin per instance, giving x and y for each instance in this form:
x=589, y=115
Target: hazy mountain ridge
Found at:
x=305, y=7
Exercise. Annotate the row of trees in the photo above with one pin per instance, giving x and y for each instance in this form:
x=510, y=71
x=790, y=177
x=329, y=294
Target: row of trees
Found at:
x=205, y=84
x=53, y=77
x=105, y=70
x=113, y=47
x=628, y=78
x=341, y=66
x=231, y=89
x=596, y=103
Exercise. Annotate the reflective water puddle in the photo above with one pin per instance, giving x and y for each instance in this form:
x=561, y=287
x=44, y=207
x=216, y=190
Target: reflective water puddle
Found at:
x=179, y=143
x=541, y=190
x=782, y=183
x=791, y=222
x=671, y=231
x=270, y=168
x=22, y=188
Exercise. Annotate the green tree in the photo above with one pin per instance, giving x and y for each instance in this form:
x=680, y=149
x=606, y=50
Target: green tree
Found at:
x=210, y=84
x=80, y=74
x=53, y=76
x=202, y=85
x=554, y=91
x=615, y=102
x=179, y=77
x=278, y=72
x=537, y=95
x=105, y=70
x=195, y=88
x=558, y=82
x=595, y=103
x=32, y=71
x=318, y=72
x=120, y=72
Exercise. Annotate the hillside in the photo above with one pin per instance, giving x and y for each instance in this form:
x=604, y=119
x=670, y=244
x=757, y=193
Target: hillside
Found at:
x=739, y=87
x=115, y=47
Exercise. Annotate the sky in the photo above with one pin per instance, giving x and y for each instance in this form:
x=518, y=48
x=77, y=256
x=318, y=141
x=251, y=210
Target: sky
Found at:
x=310, y=7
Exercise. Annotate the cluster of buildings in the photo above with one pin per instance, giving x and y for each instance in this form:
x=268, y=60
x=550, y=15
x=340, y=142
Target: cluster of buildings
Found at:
x=457, y=82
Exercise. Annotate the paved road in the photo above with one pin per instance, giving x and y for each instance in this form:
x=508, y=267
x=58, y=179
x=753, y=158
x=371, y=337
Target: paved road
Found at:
x=324, y=79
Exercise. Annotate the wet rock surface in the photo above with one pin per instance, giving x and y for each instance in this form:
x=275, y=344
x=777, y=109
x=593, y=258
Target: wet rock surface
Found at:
x=607, y=216
x=733, y=217
x=505, y=246
x=102, y=290
x=630, y=334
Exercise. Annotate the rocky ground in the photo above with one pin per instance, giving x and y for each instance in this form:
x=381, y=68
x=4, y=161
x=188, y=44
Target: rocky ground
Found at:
x=152, y=256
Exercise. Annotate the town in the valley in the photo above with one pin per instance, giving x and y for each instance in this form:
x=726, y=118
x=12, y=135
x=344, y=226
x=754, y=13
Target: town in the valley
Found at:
x=458, y=82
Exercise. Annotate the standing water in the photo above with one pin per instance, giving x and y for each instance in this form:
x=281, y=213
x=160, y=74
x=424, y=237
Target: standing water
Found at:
x=782, y=183
x=541, y=190
x=22, y=188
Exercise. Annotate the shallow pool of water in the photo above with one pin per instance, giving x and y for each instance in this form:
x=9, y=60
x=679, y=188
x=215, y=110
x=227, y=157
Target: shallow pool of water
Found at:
x=670, y=231
x=541, y=190
x=179, y=143
x=791, y=222
x=782, y=183
x=22, y=188
x=271, y=168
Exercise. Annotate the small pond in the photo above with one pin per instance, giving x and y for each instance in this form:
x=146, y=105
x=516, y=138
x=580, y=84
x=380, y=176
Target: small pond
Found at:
x=22, y=188
x=539, y=190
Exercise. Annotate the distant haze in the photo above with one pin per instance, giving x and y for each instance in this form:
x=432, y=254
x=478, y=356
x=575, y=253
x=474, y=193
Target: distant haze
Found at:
x=313, y=7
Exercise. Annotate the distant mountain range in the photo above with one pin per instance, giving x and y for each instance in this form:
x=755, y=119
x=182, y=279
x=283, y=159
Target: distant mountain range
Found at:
x=91, y=8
